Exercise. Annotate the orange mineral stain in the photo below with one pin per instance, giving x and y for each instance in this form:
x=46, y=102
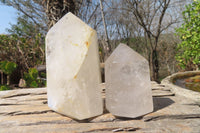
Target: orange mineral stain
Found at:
x=75, y=76
x=87, y=44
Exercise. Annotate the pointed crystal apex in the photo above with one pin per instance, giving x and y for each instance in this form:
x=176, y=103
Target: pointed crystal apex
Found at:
x=128, y=87
x=73, y=72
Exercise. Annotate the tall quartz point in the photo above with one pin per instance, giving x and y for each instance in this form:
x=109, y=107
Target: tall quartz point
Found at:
x=73, y=72
x=128, y=87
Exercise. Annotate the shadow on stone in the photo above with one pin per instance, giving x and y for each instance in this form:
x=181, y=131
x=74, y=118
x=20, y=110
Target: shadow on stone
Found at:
x=160, y=103
x=118, y=118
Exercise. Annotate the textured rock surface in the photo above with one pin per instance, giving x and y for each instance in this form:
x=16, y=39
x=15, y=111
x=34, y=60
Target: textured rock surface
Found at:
x=73, y=72
x=26, y=111
x=128, y=88
x=168, y=81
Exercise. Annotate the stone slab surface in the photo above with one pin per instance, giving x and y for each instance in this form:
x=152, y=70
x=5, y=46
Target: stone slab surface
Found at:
x=168, y=81
x=26, y=111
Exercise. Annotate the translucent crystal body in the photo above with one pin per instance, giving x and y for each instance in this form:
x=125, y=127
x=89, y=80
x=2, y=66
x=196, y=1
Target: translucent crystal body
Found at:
x=128, y=88
x=73, y=72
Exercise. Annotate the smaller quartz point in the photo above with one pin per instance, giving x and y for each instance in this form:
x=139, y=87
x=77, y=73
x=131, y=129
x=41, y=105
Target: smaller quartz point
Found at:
x=128, y=86
x=73, y=69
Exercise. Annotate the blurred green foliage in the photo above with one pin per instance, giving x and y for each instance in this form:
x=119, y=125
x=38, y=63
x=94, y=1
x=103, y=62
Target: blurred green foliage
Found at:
x=4, y=88
x=32, y=79
x=188, y=54
x=8, y=67
x=25, y=52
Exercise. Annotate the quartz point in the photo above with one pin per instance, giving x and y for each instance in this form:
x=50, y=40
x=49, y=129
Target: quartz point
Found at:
x=128, y=86
x=73, y=70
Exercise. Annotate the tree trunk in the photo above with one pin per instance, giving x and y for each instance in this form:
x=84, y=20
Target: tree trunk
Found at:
x=56, y=9
x=1, y=77
x=8, y=80
x=106, y=46
x=154, y=68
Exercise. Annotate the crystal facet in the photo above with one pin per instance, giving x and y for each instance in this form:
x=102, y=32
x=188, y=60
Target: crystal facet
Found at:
x=128, y=87
x=73, y=72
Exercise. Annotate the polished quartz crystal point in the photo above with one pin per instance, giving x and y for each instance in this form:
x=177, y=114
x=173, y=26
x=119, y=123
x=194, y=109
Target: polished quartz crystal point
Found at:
x=128, y=87
x=73, y=72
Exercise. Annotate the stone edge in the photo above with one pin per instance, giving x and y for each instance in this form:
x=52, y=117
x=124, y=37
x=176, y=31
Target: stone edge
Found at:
x=168, y=81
